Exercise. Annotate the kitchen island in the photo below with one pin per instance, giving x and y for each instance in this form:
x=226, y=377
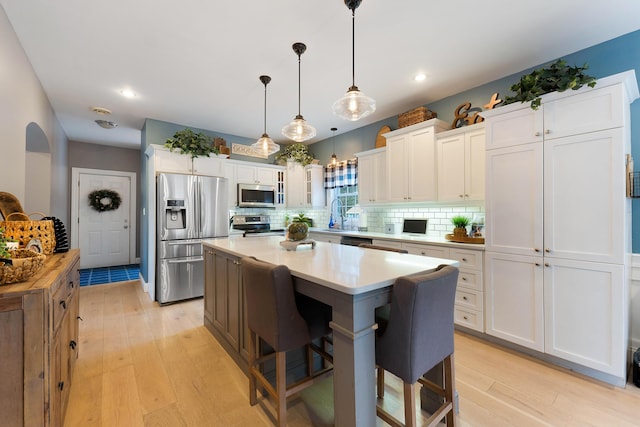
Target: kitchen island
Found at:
x=352, y=280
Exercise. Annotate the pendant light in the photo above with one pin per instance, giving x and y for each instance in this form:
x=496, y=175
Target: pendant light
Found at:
x=265, y=143
x=334, y=158
x=354, y=105
x=299, y=130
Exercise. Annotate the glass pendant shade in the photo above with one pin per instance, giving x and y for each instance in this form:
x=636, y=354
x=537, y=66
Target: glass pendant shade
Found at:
x=265, y=144
x=334, y=158
x=299, y=130
x=354, y=105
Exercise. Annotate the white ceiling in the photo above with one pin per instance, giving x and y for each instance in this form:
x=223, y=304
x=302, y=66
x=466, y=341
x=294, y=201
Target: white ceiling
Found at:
x=197, y=62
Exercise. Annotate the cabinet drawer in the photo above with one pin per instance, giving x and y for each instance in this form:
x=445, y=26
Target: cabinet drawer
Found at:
x=427, y=250
x=387, y=243
x=469, y=299
x=467, y=259
x=470, y=279
x=469, y=319
x=60, y=303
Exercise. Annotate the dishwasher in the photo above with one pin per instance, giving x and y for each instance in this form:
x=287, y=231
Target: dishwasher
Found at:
x=354, y=241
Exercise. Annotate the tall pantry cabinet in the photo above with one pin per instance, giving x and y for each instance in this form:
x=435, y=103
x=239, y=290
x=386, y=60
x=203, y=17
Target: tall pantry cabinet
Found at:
x=558, y=225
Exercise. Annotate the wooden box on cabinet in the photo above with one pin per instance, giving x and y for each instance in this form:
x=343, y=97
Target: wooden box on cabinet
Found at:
x=39, y=337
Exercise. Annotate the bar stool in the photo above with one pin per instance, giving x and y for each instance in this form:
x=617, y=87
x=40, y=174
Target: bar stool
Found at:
x=285, y=322
x=418, y=336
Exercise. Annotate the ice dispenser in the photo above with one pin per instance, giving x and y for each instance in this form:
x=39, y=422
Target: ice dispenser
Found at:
x=175, y=214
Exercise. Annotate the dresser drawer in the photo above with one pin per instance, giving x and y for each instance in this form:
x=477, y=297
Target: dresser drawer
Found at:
x=467, y=258
x=60, y=302
x=469, y=299
x=469, y=319
x=470, y=279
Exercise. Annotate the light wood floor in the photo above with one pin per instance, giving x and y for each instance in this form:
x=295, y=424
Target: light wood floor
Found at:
x=145, y=365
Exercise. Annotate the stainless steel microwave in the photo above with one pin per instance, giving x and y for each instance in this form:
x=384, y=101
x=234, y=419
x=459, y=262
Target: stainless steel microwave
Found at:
x=256, y=196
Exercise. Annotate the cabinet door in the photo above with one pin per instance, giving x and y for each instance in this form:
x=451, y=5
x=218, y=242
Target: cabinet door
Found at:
x=421, y=165
x=451, y=168
x=295, y=185
x=514, y=299
x=593, y=110
x=521, y=126
x=229, y=172
x=584, y=197
x=226, y=288
x=266, y=176
x=167, y=161
x=475, y=166
x=246, y=174
x=513, y=216
x=314, y=186
x=209, y=285
x=396, y=169
x=209, y=166
x=586, y=314
x=372, y=178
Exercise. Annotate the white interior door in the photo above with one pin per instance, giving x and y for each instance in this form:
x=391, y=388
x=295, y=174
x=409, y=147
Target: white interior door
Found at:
x=104, y=238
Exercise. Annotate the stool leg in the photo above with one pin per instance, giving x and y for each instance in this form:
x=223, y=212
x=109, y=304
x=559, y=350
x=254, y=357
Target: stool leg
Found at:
x=380, y=378
x=449, y=389
x=253, y=398
x=409, y=405
x=281, y=387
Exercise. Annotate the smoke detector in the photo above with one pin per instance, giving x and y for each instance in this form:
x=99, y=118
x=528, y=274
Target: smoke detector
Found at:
x=101, y=111
x=106, y=124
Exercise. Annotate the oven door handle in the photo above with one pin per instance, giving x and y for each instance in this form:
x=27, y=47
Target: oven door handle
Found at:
x=185, y=261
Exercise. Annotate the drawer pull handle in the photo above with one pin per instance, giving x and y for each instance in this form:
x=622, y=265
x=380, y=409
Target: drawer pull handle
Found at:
x=464, y=298
x=465, y=317
x=80, y=319
x=464, y=279
x=63, y=304
x=546, y=264
x=537, y=134
x=73, y=344
x=61, y=385
x=464, y=259
x=71, y=284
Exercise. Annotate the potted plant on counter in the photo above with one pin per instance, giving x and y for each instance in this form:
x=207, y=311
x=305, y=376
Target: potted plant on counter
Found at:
x=299, y=228
x=460, y=224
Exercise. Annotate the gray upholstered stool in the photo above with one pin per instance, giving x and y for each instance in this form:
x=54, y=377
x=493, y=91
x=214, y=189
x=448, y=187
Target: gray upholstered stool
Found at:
x=417, y=337
x=285, y=322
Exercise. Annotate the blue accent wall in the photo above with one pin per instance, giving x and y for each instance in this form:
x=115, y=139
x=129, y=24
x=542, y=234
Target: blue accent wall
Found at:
x=611, y=57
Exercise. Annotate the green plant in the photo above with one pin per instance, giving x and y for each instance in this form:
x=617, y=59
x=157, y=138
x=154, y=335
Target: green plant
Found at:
x=556, y=77
x=460, y=221
x=302, y=218
x=298, y=152
x=189, y=142
x=4, y=252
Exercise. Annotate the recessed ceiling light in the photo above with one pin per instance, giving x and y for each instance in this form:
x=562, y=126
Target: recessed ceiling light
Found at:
x=420, y=77
x=128, y=93
x=101, y=111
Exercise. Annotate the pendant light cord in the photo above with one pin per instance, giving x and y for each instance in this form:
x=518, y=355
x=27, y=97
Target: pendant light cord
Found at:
x=353, y=47
x=265, y=108
x=299, y=84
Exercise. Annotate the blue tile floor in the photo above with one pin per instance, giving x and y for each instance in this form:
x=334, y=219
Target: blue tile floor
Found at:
x=97, y=276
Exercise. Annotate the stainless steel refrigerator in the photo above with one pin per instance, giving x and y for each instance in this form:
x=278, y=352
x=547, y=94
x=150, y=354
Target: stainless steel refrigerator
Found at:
x=190, y=208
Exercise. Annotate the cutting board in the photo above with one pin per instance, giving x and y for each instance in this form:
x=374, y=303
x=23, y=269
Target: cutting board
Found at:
x=381, y=141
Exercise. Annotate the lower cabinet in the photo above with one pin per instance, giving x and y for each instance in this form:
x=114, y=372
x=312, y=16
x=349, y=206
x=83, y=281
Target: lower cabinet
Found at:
x=39, y=341
x=224, y=301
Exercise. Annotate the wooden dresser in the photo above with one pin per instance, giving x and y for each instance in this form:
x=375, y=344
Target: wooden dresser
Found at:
x=39, y=343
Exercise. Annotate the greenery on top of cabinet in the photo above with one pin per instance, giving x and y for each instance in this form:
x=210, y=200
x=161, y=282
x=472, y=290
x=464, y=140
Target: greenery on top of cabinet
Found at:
x=556, y=77
x=189, y=142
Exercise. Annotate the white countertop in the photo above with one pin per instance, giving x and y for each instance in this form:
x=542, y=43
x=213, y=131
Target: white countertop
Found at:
x=348, y=269
x=399, y=237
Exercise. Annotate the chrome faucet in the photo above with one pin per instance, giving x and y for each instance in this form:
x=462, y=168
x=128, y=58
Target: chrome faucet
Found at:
x=339, y=211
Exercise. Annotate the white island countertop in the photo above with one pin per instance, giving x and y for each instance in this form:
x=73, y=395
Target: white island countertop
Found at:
x=348, y=269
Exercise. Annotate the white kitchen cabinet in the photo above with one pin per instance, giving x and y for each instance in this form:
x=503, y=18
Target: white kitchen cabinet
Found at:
x=251, y=174
x=325, y=237
x=469, y=304
x=169, y=161
x=209, y=166
x=372, y=176
x=558, y=225
x=514, y=298
x=411, y=162
x=305, y=186
x=461, y=164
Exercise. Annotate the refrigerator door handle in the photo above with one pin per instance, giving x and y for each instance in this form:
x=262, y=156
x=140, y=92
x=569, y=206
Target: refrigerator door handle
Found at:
x=184, y=261
x=170, y=243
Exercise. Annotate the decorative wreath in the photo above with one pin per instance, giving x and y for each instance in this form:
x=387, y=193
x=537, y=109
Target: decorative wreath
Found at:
x=104, y=200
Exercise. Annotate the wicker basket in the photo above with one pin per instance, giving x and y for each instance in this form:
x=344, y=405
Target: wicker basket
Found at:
x=26, y=263
x=24, y=231
x=414, y=116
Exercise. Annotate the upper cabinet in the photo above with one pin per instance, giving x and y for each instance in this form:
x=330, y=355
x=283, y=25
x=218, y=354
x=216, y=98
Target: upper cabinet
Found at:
x=461, y=164
x=372, y=176
x=411, y=162
x=305, y=186
x=252, y=174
